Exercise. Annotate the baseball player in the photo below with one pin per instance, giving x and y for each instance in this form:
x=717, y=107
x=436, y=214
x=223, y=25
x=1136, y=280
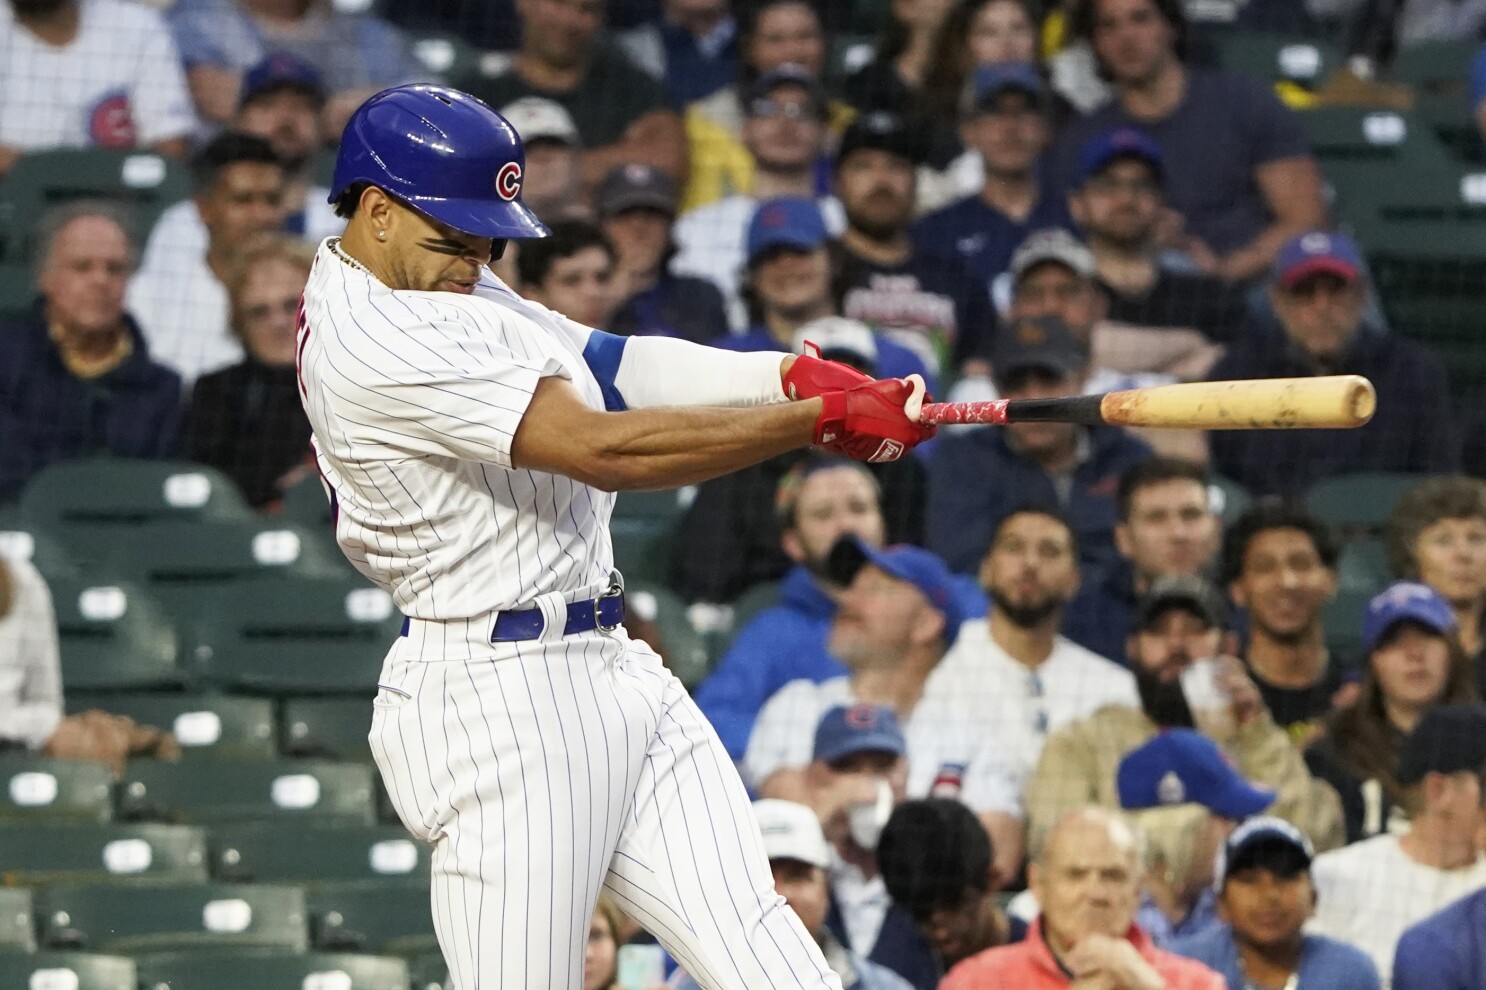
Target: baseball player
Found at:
x=470, y=441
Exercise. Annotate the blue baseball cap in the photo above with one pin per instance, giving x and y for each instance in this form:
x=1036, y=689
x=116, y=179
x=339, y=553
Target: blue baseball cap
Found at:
x=1318, y=251
x=281, y=70
x=990, y=81
x=845, y=730
x=1405, y=601
x=1181, y=766
x=918, y=567
x=790, y=221
x=1267, y=839
x=1112, y=145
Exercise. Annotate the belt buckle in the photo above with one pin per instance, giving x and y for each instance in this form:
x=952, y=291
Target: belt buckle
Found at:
x=616, y=590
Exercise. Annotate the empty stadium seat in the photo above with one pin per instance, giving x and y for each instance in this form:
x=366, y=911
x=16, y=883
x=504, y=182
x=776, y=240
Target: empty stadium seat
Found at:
x=17, y=289
x=1229, y=499
x=22, y=540
x=306, y=504
x=641, y=528
x=1434, y=64
x=206, y=791
x=111, y=918
x=67, y=971
x=221, y=725
x=113, y=636
x=249, y=970
x=35, y=788
x=1363, y=566
x=330, y=728
x=1277, y=57
x=1342, y=619
x=17, y=933
x=97, y=493
x=684, y=648
x=270, y=853
x=35, y=853
x=184, y=556
x=1359, y=503
x=391, y=918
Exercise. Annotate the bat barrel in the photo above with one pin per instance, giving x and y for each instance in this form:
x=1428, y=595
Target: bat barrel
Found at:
x=1330, y=402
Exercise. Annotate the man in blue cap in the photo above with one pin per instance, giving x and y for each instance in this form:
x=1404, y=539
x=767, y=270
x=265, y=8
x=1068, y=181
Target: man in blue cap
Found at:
x=1005, y=119
x=1319, y=296
x=895, y=621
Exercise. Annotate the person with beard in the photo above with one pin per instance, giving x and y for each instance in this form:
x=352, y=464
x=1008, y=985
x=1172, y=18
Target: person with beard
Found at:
x=883, y=279
x=1181, y=620
x=90, y=74
x=1279, y=565
x=1013, y=667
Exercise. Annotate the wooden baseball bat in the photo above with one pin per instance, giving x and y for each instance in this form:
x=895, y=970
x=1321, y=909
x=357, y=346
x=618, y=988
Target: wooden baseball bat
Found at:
x=1334, y=402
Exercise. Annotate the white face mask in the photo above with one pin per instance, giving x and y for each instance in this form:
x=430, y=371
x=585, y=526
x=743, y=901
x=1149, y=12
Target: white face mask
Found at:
x=866, y=821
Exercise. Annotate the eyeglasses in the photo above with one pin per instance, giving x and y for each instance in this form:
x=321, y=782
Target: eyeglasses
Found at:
x=262, y=311
x=793, y=110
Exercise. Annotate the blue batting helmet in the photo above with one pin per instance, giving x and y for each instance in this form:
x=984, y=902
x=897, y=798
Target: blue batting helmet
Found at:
x=444, y=153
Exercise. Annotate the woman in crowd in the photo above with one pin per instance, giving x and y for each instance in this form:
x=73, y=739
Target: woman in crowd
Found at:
x=247, y=420
x=1414, y=662
x=601, y=958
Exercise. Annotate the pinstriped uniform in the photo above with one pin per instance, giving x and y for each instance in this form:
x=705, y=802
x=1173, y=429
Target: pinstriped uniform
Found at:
x=543, y=770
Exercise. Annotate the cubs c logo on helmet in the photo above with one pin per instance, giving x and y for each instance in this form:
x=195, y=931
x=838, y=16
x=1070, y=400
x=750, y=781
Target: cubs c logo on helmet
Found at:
x=508, y=181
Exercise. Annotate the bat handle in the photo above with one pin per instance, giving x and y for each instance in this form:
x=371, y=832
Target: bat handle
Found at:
x=992, y=412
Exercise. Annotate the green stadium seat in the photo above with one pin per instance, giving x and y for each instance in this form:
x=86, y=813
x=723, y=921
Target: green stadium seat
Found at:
x=1359, y=503
x=389, y=918
x=685, y=649
x=17, y=932
x=306, y=504
x=1363, y=566
x=1229, y=499
x=36, y=853
x=1278, y=58
x=99, y=494
x=111, y=918
x=446, y=55
x=428, y=970
x=252, y=970
x=223, y=726
x=69, y=970
x=112, y=636
x=302, y=635
x=270, y=853
x=35, y=788
x=329, y=728
x=206, y=791
x=17, y=289
x=642, y=527
x=22, y=540
x=184, y=556
x=1342, y=619
x=1427, y=65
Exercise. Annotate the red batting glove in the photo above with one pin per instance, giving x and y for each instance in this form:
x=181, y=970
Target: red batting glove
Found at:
x=811, y=375
x=868, y=422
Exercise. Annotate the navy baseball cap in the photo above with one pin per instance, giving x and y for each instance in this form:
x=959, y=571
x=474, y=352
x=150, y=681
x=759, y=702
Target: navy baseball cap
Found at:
x=1041, y=342
x=1448, y=739
x=1181, y=766
x=883, y=131
x=793, y=222
x=918, y=567
x=1316, y=252
x=990, y=81
x=1188, y=591
x=281, y=70
x=1263, y=841
x=1405, y=601
x=1112, y=145
x=846, y=730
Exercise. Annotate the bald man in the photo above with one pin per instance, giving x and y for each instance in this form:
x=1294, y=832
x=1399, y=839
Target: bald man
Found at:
x=1087, y=880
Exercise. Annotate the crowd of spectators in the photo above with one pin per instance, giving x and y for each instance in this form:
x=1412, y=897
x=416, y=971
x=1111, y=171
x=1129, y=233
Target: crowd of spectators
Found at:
x=1043, y=659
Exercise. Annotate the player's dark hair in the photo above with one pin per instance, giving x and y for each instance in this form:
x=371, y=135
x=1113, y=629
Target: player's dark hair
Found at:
x=932, y=853
x=1084, y=17
x=1151, y=472
x=229, y=148
x=349, y=201
x=537, y=256
x=1424, y=505
x=1275, y=513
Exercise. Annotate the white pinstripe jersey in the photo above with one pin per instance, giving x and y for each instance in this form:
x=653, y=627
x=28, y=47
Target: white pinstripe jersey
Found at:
x=414, y=398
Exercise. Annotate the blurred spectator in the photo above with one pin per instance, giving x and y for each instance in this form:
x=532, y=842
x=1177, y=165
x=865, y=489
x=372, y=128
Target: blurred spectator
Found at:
x=282, y=101
x=1477, y=91
x=1004, y=117
x=31, y=686
x=939, y=865
x=903, y=59
x=1414, y=664
x=247, y=420
x=799, y=857
x=622, y=113
x=636, y=206
x=552, y=182
x=1013, y=668
x=571, y=271
x=1279, y=566
x=978, y=477
x=1445, y=951
x=89, y=74
x=356, y=53
x=772, y=34
x=1166, y=528
x=1184, y=682
x=883, y=278
x=1377, y=29
x=75, y=375
x=692, y=48
x=178, y=293
x=820, y=501
x=1265, y=896
x=1240, y=179
x=1186, y=797
x=893, y=625
x=784, y=130
x=1159, y=321
x=1437, y=535
x=1371, y=891
x=1319, y=297
x=1087, y=880
x=601, y=956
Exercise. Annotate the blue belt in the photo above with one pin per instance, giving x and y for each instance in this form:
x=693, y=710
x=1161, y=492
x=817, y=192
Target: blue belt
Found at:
x=603, y=613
